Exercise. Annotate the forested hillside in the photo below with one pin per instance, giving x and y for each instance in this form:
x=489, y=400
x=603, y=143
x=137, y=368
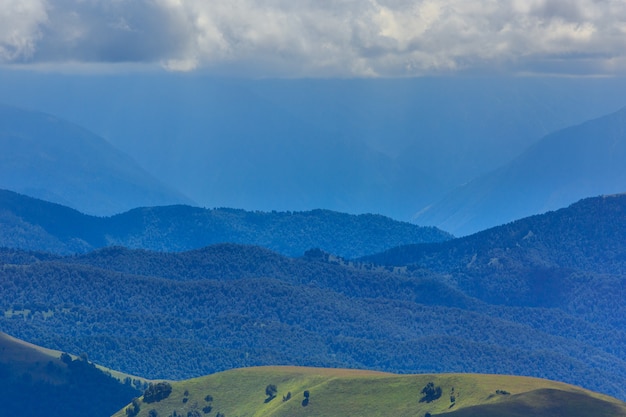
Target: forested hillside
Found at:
x=195, y=313
x=39, y=382
x=32, y=224
x=542, y=296
x=568, y=258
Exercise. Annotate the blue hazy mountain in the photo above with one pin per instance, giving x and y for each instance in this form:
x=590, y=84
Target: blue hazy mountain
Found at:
x=33, y=224
x=563, y=167
x=542, y=296
x=47, y=157
x=357, y=146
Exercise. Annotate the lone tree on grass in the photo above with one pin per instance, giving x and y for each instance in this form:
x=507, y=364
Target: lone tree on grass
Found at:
x=270, y=391
x=431, y=393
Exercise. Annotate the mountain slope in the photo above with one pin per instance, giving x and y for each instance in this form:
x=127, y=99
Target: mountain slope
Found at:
x=352, y=145
x=46, y=157
x=37, y=381
x=350, y=393
x=228, y=306
x=33, y=224
x=572, y=259
x=563, y=167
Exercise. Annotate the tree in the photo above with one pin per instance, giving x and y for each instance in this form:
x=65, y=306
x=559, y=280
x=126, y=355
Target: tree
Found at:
x=430, y=392
x=66, y=358
x=157, y=392
x=133, y=409
x=271, y=391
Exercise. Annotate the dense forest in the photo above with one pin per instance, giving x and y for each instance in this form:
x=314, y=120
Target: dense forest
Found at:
x=505, y=301
x=31, y=224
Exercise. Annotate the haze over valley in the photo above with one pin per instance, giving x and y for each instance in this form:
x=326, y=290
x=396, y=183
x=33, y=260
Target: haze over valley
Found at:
x=269, y=208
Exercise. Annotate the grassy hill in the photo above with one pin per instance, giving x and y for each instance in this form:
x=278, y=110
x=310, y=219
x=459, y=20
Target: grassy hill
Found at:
x=180, y=315
x=37, y=381
x=346, y=393
x=541, y=297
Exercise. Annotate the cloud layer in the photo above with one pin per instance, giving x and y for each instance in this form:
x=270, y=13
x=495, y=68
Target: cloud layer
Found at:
x=321, y=38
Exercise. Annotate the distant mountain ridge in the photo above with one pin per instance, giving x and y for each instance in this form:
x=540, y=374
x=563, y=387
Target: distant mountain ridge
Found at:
x=562, y=168
x=502, y=301
x=587, y=235
x=50, y=158
x=34, y=224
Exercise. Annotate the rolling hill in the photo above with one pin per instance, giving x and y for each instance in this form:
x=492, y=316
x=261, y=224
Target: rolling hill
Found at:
x=562, y=168
x=50, y=158
x=33, y=224
x=293, y=392
x=542, y=297
x=180, y=315
x=547, y=260
x=38, y=381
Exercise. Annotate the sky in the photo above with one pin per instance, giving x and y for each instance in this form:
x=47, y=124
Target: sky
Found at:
x=317, y=38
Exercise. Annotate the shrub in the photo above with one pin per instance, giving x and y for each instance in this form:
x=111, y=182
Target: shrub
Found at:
x=133, y=409
x=271, y=390
x=431, y=393
x=157, y=392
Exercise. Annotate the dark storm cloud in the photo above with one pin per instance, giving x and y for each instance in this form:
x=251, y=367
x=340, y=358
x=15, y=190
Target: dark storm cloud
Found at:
x=114, y=31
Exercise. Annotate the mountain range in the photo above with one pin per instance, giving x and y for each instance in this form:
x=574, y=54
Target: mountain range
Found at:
x=386, y=146
x=563, y=167
x=542, y=296
x=44, y=156
x=33, y=224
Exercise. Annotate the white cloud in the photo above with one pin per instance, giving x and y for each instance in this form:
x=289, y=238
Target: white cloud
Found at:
x=321, y=38
x=19, y=28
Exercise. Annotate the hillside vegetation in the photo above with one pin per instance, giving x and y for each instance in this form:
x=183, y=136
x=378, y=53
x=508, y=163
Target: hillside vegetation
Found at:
x=505, y=301
x=43, y=382
x=294, y=392
x=31, y=224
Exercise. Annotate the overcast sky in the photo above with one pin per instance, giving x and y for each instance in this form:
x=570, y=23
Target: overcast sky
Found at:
x=318, y=38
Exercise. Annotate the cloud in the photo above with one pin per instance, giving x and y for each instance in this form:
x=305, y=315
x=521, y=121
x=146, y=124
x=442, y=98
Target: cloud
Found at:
x=296, y=38
x=19, y=28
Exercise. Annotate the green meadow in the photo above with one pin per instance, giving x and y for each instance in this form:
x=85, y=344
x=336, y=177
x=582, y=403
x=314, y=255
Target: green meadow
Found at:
x=295, y=391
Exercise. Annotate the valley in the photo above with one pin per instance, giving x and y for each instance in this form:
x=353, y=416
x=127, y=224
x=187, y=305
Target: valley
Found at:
x=506, y=301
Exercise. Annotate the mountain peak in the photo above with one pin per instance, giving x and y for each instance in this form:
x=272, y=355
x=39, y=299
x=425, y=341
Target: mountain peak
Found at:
x=47, y=157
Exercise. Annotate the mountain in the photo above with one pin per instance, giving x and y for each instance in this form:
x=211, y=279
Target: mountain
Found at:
x=50, y=158
x=293, y=392
x=556, y=259
x=33, y=224
x=180, y=315
x=561, y=168
x=37, y=382
x=387, y=146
